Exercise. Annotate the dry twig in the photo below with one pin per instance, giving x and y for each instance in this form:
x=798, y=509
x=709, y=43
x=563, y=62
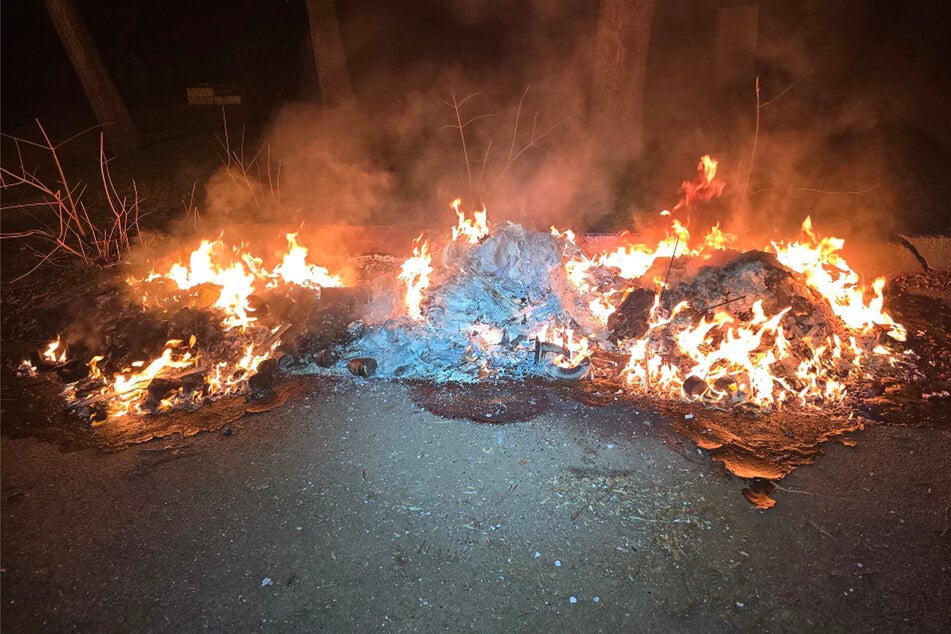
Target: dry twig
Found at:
x=514, y=153
x=68, y=228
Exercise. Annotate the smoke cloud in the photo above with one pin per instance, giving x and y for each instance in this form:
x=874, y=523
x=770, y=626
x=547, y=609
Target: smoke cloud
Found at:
x=820, y=142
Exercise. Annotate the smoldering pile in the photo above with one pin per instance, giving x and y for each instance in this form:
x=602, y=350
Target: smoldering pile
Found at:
x=117, y=353
x=483, y=315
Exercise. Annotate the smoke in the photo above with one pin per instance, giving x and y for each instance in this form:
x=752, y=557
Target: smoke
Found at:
x=519, y=76
x=395, y=154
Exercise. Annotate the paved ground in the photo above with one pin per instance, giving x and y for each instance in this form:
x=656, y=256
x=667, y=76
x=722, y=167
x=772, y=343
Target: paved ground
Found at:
x=352, y=510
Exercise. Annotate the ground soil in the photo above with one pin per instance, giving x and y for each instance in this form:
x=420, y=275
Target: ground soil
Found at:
x=352, y=509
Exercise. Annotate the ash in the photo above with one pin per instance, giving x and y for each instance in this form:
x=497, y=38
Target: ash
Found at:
x=481, y=315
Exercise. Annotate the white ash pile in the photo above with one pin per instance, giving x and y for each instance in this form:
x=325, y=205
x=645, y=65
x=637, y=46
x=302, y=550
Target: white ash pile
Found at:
x=482, y=314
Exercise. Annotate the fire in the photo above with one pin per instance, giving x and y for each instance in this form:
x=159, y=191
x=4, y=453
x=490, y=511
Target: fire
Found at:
x=236, y=284
x=828, y=273
x=716, y=240
x=238, y=274
x=633, y=261
x=473, y=229
x=415, y=274
x=722, y=360
x=294, y=268
x=51, y=355
x=705, y=186
x=719, y=357
x=716, y=354
x=128, y=386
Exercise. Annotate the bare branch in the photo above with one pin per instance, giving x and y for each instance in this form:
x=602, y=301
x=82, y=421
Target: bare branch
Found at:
x=485, y=158
x=73, y=231
x=814, y=190
x=518, y=114
x=788, y=88
x=533, y=142
x=457, y=106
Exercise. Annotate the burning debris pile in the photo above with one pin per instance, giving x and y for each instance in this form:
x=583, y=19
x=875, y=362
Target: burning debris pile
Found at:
x=688, y=320
x=749, y=328
x=492, y=299
x=227, y=312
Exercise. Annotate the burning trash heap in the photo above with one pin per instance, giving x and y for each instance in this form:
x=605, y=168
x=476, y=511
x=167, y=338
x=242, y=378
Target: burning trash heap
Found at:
x=685, y=319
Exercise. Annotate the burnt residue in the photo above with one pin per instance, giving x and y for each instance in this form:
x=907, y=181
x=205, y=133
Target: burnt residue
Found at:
x=748, y=442
x=757, y=493
x=362, y=366
x=491, y=402
x=923, y=304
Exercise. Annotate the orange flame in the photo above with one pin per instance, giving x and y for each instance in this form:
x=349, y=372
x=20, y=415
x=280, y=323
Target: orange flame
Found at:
x=51, y=355
x=473, y=229
x=294, y=268
x=415, y=274
x=828, y=273
x=237, y=273
x=705, y=186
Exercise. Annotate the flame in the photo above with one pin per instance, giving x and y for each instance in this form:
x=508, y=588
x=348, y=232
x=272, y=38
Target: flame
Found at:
x=577, y=349
x=473, y=229
x=603, y=306
x=827, y=272
x=238, y=274
x=687, y=352
x=294, y=268
x=415, y=274
x=720, y=357
x=94, y=372
x=568, y=235
x=127, y=391
x=716, y=240
x=633, y=261
x=705, y=186
x=235, y=274
x=50, y=353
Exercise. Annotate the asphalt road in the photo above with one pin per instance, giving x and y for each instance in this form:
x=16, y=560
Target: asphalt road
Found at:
x=351, y=509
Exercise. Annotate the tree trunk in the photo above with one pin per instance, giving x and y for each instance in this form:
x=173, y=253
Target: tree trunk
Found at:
x=110, y=111
x=331, y=61
x=620, y=65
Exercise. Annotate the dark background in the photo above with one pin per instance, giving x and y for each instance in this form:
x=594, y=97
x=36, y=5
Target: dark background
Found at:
x=876, y=87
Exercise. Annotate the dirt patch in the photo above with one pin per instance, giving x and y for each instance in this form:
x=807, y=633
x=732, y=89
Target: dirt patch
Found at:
x=495, y=402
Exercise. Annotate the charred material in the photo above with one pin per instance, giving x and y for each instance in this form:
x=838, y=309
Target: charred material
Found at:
x=632, y=318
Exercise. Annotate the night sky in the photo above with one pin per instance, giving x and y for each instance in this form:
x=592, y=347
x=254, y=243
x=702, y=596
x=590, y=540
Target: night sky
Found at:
x=155, y=49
